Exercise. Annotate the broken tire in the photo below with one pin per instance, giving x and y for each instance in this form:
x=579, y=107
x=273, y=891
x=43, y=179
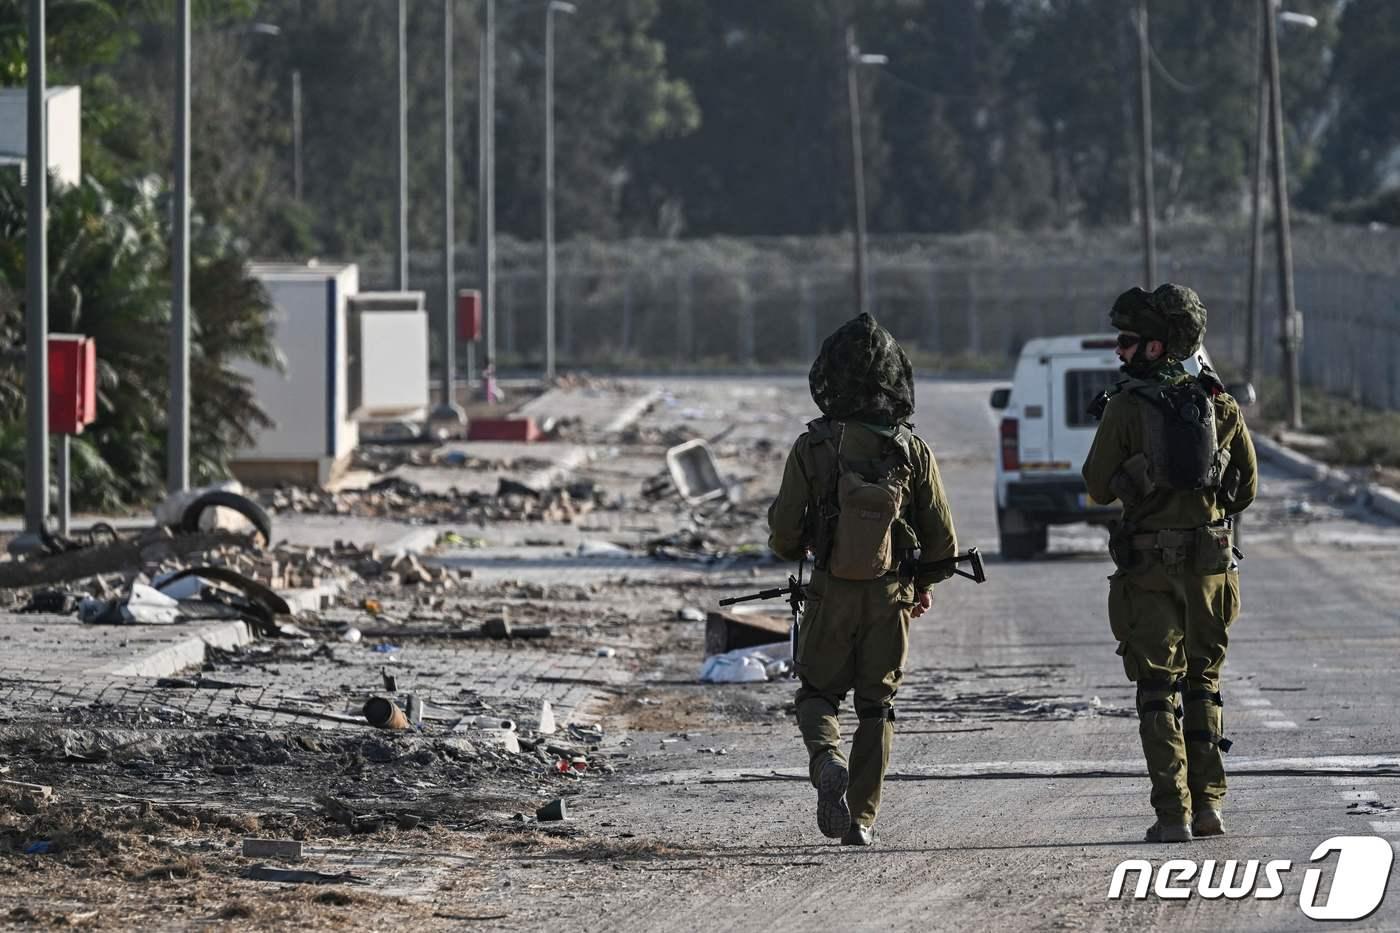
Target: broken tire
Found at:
x=222, y=498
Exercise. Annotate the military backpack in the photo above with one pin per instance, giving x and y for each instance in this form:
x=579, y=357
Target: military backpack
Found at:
x=861, y=506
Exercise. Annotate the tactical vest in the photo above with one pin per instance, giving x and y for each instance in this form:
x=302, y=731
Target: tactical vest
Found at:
x=1181, y=447
x=860, y=505
x=1179, y=436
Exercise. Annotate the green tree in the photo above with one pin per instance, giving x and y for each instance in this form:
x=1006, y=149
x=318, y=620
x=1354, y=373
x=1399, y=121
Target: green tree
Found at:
x=1360, y=146
x=109, y=278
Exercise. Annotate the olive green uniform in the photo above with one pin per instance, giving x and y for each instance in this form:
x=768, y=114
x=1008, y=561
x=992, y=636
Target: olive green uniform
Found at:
x=855, y=633
x=1171, y=621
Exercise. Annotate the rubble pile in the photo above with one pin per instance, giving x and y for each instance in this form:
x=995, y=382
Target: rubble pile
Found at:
x=398, y=498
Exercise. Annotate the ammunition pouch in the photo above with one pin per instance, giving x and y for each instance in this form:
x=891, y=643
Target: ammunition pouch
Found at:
x=1202, y=551
x=1214, y=553
x=1133, y=482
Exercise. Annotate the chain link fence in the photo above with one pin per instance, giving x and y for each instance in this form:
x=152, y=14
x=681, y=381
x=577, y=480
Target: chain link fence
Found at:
x=970, y=301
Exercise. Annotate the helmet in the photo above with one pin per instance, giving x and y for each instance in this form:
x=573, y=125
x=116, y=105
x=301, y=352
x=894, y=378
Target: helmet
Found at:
x=1172, y=314
x=862, y=373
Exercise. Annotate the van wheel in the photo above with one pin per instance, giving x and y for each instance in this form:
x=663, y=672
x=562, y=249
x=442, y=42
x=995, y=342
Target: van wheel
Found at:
x=1028, y=540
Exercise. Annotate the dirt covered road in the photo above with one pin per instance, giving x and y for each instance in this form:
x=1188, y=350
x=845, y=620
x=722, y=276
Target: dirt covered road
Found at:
x=1016, y=786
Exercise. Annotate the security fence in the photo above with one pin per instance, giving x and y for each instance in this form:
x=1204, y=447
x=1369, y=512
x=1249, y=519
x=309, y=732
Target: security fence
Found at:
x=761, y=304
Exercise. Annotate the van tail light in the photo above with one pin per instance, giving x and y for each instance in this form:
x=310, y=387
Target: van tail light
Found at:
x=1010, y=444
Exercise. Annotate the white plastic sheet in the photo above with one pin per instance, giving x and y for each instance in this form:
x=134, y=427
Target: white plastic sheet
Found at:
x=747, y=665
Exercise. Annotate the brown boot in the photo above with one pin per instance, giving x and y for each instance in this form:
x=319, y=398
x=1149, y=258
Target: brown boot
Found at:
x=833, y=815
x=1168, y=832
x=1208, y=823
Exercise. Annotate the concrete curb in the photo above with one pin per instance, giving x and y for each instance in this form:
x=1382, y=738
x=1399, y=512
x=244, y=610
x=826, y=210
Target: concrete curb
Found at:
x=174, y=657
x=633, y=410
x=1378, y=498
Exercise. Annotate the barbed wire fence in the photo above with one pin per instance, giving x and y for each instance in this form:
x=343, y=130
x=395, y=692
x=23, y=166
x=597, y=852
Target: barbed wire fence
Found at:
x=689, y=305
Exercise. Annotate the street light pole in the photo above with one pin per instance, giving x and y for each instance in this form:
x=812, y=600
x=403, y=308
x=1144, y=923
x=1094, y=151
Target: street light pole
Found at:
x=1262, y=102
x=1149, y=208
x=486, y=208
x=401, y=145
x=550, y=282
x=296, y=134
x=448, y=409
x=36, y=382
x=1263, y=113
x=178, y=438
x=854, y=59
x=1291, y=334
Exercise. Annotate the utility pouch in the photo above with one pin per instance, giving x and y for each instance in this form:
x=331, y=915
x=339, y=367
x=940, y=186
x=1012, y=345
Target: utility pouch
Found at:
x=1133, y=481
x=862, y=549
x=1120, y=548
x=1214, y=553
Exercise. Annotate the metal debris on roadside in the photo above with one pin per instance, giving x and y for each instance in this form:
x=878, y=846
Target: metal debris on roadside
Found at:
x=553, y=811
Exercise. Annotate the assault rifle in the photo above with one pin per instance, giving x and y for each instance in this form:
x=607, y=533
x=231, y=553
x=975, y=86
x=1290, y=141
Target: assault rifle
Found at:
x=795, y=595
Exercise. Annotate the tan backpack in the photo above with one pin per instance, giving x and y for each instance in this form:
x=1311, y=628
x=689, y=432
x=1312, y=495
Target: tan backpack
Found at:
x=866, y=510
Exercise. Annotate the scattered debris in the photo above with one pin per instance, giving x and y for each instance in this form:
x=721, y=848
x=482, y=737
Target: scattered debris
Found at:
x=384, y=713
x=301, y=876
x=272, y=848
x=743, y=627
x=553, y=811
x=747, y=665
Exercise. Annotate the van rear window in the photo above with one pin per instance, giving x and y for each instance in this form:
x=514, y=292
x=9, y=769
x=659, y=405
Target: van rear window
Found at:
x=1082, y=386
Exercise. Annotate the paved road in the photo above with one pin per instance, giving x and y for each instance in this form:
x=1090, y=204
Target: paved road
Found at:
x=1017, y=785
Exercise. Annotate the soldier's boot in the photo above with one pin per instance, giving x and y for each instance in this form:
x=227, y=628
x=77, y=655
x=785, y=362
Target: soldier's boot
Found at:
x=1168, y=832
x=821, y=733
x=870, y=757
x=1203, y=728
x=1159, y=726
x=1207, y=822
x=833, y=814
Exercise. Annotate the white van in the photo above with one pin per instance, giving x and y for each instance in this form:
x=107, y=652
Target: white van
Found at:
x=1045, y=432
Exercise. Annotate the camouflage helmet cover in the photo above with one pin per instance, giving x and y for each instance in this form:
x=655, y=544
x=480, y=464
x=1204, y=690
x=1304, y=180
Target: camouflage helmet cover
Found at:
x=863, y=374
x=1172, y=314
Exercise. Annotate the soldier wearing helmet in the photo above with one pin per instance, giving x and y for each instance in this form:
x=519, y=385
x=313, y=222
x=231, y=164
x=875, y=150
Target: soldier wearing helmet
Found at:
x=861, y=495
x=1174, y=449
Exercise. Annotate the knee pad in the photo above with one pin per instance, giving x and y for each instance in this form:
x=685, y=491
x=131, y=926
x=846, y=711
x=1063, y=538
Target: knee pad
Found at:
x=1198, y=694
x=870, y=709
x=1147, y=703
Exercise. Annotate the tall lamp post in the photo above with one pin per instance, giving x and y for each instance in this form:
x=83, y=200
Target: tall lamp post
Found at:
x=550, y=283
x=854, y=59
x=486, y=182
x=401, y=148
x=1291, y=331
x=1149, y=207
x=1269, y=16
x=36, y=313
x=178, y=430
x=448, y=410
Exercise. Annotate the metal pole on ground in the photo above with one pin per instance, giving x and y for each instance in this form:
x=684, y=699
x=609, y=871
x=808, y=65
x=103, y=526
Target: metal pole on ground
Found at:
x=1256, y=207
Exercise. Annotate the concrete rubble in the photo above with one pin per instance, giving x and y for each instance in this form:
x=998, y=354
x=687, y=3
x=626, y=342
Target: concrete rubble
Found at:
x=281, y=695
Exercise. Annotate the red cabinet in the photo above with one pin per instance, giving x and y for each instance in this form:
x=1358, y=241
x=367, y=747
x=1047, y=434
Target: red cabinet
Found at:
x=72, y=383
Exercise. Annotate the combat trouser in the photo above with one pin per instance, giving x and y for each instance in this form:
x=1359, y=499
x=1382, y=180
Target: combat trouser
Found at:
x=1172, y=630
x=854, y=636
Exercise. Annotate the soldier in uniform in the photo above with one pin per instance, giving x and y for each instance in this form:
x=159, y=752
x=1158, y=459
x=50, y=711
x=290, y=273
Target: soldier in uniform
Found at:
x=1175, y=450
x=862, y=496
